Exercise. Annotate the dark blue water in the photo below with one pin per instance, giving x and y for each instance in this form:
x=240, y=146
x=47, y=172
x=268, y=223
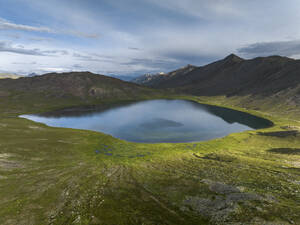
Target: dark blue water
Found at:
x=156, y=121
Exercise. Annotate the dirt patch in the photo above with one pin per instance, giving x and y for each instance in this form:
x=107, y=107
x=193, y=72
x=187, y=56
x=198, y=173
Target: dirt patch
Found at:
x=296, y=182
x=282, y=134
x=225, y=202
x=221, y=188
x=7, y=164
x=295, y=164
x=5, y=155
x=287, y=151
x=218, y=209
x=35, y=127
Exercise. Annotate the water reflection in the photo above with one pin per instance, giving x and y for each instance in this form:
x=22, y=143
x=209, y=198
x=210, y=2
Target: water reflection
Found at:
x=155, y=121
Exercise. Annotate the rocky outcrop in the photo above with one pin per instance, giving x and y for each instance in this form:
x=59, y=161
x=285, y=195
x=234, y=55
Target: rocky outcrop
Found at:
x=223, y=202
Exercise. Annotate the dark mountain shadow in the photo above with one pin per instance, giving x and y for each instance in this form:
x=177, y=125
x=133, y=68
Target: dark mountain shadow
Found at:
x=234, y=116
x=82, y=111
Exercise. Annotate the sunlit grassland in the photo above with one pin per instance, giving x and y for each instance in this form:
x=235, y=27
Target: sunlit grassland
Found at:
x=67, y=176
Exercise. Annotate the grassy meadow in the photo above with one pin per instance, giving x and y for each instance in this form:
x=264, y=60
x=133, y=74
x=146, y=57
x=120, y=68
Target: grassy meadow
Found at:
x=62, y=176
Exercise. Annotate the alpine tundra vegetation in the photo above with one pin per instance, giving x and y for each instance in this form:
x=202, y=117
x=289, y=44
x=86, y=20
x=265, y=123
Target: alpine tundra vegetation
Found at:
x=83, y=174
x=67, y=176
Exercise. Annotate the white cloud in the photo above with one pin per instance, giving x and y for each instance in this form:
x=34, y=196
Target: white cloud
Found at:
x=52, y=69
x=152, y=35
x=7, y=25
x=6, y=47
x=285, y=48
x=20, y=49
x=203, y=9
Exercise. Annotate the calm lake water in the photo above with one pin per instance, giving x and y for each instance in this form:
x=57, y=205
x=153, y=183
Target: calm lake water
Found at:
x=156, y=121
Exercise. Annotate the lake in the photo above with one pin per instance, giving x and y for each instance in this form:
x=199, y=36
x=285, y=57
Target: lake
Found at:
x=156, y=121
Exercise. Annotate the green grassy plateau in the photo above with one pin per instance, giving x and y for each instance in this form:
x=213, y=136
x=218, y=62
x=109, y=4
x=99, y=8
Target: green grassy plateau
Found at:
x=63, y=176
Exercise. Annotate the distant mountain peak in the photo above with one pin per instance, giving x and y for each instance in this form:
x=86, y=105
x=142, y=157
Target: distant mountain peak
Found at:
x=276, y=77
x=189, y=65
x=32, y=75
x=233, y=58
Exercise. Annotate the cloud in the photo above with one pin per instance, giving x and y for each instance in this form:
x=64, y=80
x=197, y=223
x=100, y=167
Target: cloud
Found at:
x=55, y=52
x=40, y=39
x=92, y=36
x=286, y=48
x=20, y=49
x=7, y=25
x=24, y=63
x=133, y=48
x=152, y=36
x=5, y=47
x=77, y=66
x=202, y=9
x=53, y=69
x=92, y=57
x=153, y=62
x=14, y=36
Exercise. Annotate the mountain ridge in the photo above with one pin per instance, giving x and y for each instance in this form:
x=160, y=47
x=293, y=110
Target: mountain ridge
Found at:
x=234, y=76
x=152, y=79
x=81, y=85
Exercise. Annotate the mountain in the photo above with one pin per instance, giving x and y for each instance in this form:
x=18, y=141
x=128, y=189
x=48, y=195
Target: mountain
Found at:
x=123, y=77
x=147, y=79
x=153, y=80
x=273, y=76
x=9, y=75
x=77, y=87
x=120, y=77
x=32, y=75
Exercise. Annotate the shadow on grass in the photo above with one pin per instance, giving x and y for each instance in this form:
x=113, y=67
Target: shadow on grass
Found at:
x=287, y=151
x=282, y=134
x=217, y=157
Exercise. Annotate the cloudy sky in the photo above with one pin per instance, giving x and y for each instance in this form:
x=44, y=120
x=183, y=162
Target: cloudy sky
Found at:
x=132, y=37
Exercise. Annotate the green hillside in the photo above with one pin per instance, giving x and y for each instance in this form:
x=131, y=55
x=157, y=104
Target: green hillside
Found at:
x=57, y=175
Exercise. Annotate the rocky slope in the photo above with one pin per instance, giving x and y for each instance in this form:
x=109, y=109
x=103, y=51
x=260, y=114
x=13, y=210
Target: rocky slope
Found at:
x=153, y=80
